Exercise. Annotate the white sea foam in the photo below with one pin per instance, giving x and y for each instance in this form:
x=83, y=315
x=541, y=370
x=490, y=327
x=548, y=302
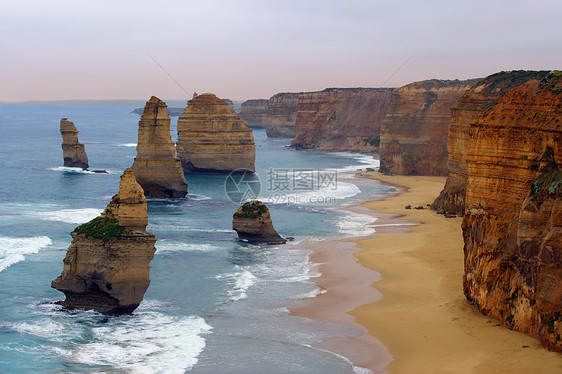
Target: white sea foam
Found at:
x=127, y=145
x=355, y=224
x=174, y=246
x=147, y=342
x=67, y=169
x=69, y=215
x=13, y=250
x=363, y=161
x=240, y=281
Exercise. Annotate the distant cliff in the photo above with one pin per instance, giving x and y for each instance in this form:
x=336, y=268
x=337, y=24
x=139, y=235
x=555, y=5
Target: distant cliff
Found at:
x=254, y=113
x=341, y=119
x=473, y=104
x=73, y=152
x=512, y=225
x=282, y=115
x=212, y=139
x=413, y=136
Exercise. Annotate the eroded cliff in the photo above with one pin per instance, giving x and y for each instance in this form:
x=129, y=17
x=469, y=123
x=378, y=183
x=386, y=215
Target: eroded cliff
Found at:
x=73, y=152
x=341, y=119
x=254, y=113
x=512, y=225
x=480, y=98
x=413, y=136
x=211, y=139
x=106, y=267
x=282, y=115
x=156, y=167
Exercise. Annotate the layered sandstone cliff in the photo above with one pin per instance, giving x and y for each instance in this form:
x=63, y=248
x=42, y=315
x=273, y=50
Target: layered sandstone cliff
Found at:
x=252, y=222
x=480, y=98
x=512, y=225
x=211, y=139
x=73, y=152
x=413, y=136
x=106, y=267
x=282, y=115
x=341, y=119
x=156, y=167
x=254, y=113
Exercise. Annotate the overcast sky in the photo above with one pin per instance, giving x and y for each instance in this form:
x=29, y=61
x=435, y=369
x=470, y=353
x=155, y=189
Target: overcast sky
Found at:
x=242, y=49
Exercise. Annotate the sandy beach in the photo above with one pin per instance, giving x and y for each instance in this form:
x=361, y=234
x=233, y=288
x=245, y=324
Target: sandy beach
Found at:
x=408, y=295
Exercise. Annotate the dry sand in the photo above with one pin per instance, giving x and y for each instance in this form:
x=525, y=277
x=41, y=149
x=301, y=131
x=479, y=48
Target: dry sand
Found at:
x=419, y=313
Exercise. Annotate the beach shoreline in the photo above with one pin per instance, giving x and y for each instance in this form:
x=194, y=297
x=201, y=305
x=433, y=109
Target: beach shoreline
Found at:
x=401, y=289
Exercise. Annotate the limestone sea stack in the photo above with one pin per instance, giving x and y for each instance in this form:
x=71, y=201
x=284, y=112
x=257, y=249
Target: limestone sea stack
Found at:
x=512, y=225
x=106, y=267
x=473, y=104
x=413, y=138
x=252, y=222
x=254, y=113
x=156, y=167
x=341, y=119
x=211, y=139
x=73, y=152
x=282, y=115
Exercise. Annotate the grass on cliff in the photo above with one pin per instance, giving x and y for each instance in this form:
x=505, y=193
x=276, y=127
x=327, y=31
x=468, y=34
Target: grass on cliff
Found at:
x=373, y=142
x=549, y=181
x=252, y=209
x=101, y=228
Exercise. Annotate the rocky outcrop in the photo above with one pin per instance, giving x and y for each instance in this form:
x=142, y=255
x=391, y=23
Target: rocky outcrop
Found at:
x=341, y=119
x=473, y=104
x=73, y=152
x=254, y=113
x=512, y=225
x=106, y=267
x=252, y=222
x=211, y=139
x=156, y=167
x=172, y=112
x=282, y=115
x=230, y=105
x=413, y=137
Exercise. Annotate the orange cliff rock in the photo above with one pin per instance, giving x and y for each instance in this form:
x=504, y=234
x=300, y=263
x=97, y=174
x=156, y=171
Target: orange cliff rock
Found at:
x=73, y=151
x=156, y=167
x=473, y=104
x=254, y=113
x=211, y=139
x=512, y=225
x=106, y=267
x=252, y=222
x=341, y=119
x=413, y=136
x=282, y=115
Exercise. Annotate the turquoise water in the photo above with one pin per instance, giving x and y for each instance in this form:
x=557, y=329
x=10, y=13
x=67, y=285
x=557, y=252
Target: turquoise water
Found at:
x=215, y=305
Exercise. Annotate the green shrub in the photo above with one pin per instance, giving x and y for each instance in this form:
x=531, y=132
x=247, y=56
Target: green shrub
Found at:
x=101, y=228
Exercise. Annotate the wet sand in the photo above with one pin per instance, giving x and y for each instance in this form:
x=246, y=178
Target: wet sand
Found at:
x=403, y=287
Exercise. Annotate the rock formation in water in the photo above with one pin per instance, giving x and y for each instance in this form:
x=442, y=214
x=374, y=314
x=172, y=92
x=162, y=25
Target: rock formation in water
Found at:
x=156, y=167
x=341, y=119
x=512, y=225
x=211, y=139
x=413, y=138
x=106, y=267
x=473, y=104
x=252, y=222
x=282, y=115
x=254, y=113
x=73, y=151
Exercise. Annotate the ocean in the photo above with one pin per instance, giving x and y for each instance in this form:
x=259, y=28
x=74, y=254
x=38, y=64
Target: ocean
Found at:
x=215, y=304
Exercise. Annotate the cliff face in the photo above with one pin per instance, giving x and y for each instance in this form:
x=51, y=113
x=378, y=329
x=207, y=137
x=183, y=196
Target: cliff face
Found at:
x=252, y=222
x=211, y=139
x=156, y=167
x=254, y=113
x=73, y=152
x=106, y=267
x=413, y=138
x=282, y=115
x=480, y=98
x=512, y=225
x=341, y=119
